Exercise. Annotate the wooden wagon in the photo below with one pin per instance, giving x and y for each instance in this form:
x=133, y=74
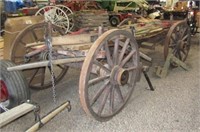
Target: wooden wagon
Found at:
x=109, y=62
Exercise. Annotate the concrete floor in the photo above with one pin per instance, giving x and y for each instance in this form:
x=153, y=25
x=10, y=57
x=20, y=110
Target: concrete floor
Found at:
x=173, y=106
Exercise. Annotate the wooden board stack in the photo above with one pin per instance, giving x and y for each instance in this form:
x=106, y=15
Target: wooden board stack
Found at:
x=91, y=18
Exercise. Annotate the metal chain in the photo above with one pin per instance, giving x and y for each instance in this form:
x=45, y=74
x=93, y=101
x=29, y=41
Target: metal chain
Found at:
x=49, y=45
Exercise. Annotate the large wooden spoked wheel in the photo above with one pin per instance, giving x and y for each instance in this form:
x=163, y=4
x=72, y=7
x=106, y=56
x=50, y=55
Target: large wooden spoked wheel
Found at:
x=178, y=41
x=109, y=74
x=30, y=39
x=56, y=16
x=69, y=13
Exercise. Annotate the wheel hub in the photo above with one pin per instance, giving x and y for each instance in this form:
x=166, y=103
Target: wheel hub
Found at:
x=180, y=45
x=119, y=76
x=4, y=93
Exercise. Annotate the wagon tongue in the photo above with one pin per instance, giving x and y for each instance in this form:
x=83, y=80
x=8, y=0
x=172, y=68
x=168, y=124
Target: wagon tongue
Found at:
x=4, y=92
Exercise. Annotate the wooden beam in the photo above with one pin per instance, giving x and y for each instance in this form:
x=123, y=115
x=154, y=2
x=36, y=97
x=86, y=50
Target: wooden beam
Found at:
x=73, y=39
x=15, y=113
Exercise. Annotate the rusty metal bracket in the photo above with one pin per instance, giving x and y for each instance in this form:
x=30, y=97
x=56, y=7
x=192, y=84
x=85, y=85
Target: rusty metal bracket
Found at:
x=162, y=71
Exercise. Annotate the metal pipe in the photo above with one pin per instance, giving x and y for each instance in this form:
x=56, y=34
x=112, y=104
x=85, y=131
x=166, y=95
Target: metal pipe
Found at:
x=44, y=63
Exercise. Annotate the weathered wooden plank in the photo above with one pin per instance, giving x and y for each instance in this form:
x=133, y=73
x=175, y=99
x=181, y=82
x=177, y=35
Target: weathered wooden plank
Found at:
x=73, y=39
x=77, y=47
x=15, y=113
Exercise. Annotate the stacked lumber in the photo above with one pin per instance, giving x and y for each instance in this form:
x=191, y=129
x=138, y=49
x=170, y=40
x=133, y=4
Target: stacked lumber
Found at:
x=145, y=27
x=1, y=47
x=91, y=18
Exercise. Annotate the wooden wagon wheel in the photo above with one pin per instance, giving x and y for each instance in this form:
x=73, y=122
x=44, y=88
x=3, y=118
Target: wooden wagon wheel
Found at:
x=56, y=16
x=30, y=39
x=69, y=13
x=108, y=76
x=178, y=41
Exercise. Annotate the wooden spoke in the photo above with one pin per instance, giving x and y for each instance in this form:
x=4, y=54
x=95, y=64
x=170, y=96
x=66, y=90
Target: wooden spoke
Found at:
x=127, y=58
x=99, y=92
x=112, y=98
x=175, y=51
x=173, y=39
x=117, y=88
x=184, y=30
x=40, y=14
x=172, y=46
x=131, y=68
x=108, y=57
x=61, y=67
x=34, y=35
x=115, y=52
x=104, y=100
x=124, y=50
x=42, y=76
x=34, y=74
x=98, y=79
x=187, y=44
x=185, y=37
x=22, y=42
x=179, y=55
x=102, y=66
x=183, y=52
